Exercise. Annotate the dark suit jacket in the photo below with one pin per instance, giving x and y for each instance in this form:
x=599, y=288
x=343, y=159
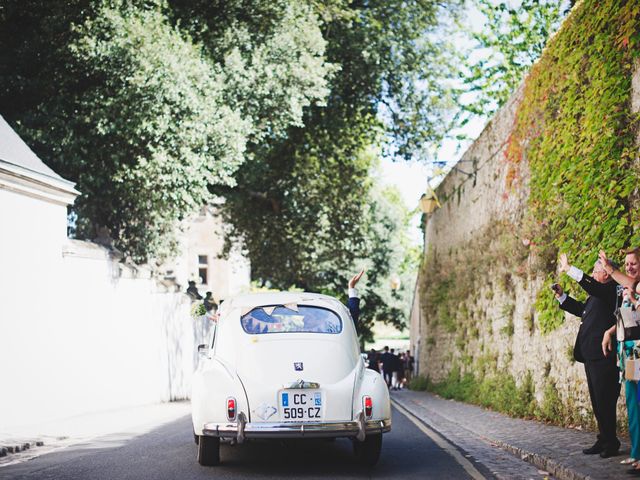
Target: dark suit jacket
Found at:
x=597, y=314
x=388, y=361
x=353, y=304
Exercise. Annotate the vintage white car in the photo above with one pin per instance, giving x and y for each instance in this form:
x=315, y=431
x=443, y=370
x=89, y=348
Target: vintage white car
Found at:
x=286, y=365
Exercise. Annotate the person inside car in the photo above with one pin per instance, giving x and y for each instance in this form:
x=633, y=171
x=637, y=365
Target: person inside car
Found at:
x=353, y=303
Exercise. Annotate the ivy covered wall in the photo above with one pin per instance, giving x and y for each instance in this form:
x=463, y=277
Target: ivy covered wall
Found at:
x=555, y=170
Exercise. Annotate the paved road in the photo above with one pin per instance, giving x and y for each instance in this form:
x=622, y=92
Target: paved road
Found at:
x=169, y=452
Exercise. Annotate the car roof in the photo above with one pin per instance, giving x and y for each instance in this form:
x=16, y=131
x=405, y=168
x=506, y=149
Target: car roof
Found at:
x=253, y=300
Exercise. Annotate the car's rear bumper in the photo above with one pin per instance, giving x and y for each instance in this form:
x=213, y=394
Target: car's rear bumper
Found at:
x=241, y=430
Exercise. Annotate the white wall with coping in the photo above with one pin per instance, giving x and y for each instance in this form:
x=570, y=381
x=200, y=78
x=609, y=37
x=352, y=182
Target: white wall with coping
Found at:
x=79, y=331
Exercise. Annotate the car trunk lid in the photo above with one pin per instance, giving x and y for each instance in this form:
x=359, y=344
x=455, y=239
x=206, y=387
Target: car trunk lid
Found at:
x=272, y=365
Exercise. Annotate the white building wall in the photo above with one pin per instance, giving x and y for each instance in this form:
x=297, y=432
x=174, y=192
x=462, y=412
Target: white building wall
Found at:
x=30, y=262
x=79, y=331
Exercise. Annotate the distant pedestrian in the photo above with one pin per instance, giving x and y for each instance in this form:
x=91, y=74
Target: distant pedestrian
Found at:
x=192, y=291
x=372, y=360
x=395, y=369
x=400, y=372
x=388, y=363
x=408, y=366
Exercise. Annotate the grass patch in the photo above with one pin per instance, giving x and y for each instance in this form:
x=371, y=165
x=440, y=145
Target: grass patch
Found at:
x=501, y=392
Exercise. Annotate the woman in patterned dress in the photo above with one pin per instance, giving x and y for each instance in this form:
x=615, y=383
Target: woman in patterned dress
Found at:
x=628, y=342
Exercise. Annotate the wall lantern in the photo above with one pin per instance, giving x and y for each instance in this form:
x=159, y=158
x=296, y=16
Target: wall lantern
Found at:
x=395, y=282
x=429, y=202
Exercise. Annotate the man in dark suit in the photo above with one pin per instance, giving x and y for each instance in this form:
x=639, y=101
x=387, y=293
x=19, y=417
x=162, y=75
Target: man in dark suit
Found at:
x=372, y=359
x=597, y=314
x=388, y=361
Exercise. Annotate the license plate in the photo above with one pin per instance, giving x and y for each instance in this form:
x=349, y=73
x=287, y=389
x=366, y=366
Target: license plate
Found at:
x=301, y=405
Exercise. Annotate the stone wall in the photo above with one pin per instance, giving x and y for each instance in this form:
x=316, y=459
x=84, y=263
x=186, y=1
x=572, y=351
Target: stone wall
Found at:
x=496, y=331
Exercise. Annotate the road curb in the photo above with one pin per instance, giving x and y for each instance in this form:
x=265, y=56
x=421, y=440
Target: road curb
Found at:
x=542, y=462
x=558, y=470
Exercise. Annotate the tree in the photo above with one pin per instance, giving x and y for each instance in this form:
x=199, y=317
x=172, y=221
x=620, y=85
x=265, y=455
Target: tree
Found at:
x=512, y=38
x=145, y=115
x=303, y=205
x=373, y=236
x=391, y=262
x=155, y=106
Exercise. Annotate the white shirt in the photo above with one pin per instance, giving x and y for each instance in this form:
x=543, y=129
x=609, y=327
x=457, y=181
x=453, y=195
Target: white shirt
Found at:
x=577, y=275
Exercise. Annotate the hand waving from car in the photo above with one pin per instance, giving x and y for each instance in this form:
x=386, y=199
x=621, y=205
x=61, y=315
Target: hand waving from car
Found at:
x=355, y=279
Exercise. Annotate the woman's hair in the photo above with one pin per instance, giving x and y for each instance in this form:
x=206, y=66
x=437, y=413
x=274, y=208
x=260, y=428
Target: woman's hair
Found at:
x=633, y=251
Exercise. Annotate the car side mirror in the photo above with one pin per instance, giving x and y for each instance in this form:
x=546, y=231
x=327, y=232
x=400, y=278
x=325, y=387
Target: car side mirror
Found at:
x=203, y=349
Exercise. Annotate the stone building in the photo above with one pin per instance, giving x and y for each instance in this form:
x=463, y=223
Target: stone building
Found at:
x=201, y=246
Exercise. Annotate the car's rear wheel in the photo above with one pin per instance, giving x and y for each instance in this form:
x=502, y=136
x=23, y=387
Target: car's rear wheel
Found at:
x=208, y=451
x=195, y=437
x=368, y=452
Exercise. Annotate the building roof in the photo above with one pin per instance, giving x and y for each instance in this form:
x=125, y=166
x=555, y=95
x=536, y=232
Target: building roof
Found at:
x=13, y=150
x=23, y=172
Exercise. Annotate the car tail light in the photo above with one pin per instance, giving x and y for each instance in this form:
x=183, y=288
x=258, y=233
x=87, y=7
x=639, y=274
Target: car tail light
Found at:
x=231, y=408
x=368, y=406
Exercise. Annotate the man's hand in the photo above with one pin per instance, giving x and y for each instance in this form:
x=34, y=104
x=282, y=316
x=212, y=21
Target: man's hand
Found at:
x=607, y=343
x=564, y=263
x=557, y=289
x=355, y=279
x=606, y=264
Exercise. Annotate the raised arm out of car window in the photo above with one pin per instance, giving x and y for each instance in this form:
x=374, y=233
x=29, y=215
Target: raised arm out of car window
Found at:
x=353, y=304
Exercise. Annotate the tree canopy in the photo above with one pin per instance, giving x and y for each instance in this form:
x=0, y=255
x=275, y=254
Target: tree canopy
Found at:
x=147, y=115
x=306, y=209
x=511, y=39
x=282, y=107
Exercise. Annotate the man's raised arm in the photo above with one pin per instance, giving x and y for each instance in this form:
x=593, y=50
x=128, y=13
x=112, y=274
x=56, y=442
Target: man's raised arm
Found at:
x=353, y=303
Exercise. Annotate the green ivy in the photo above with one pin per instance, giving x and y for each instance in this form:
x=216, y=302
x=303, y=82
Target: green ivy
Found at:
x=573, y=146
x=451, y=283
x=575, y=128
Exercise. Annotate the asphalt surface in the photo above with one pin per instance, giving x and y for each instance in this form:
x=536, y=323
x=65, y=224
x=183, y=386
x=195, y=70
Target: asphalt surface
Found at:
x=169, y=452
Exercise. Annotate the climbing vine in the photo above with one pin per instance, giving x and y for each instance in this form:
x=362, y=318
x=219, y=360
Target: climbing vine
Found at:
x=575, y=132
x=573, y=149
x=454, y=282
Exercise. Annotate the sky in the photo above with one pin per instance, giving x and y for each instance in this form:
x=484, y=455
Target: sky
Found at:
x=411, y=178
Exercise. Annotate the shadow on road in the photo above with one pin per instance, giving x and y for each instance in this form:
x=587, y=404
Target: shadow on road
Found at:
x=169, y=452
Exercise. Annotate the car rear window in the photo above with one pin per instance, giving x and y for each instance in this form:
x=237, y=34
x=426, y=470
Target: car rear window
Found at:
x=297, y=319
